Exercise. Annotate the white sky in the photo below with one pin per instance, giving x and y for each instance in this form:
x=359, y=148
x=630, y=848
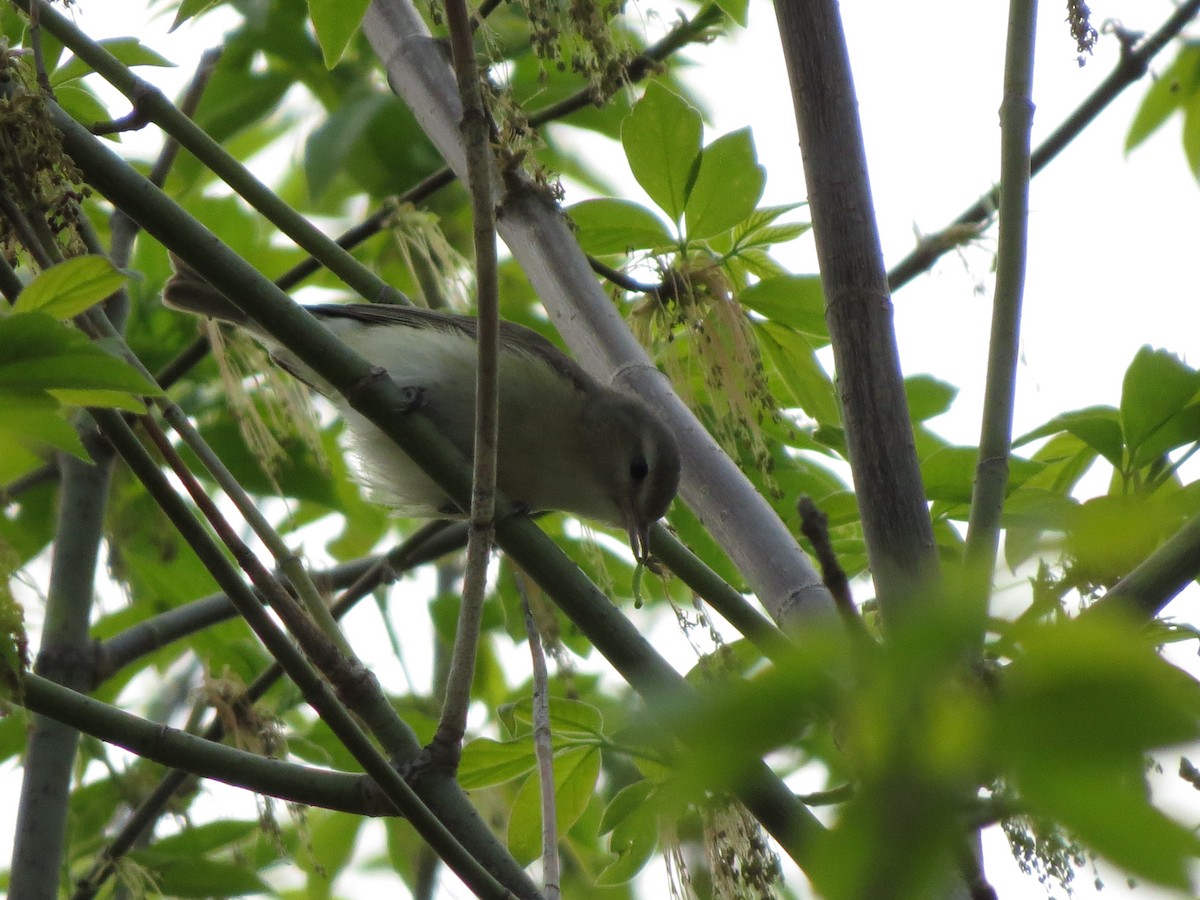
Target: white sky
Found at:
x=1113, y=240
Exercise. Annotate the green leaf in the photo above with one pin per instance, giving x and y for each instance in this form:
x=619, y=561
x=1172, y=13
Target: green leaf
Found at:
x=1097, y=426
x=201, y=877
x=335, y=22
x=38, y=352
x=331, y=145
x=1157, y=386
x=575, y=774
x=729, y=184
x=949, y=473
x=127, y=50
x=793, y=300
x=332, y=836
x=634, y=836
x=34, y=421
x=794, y=360
x=608, y=226
x=1191, y=135
x=568, y=717
x=486, y=762
x=661, y=138
x=735, y=9
x=78, y=101
x=189, y=9
x=108, y=399
x=1081, y=707
x=69, y=288
x=198, y=839
x=1175, y=87
x=928, y=397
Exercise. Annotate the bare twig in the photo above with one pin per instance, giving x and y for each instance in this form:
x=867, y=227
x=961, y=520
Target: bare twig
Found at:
x=543, y=748
x=476, y=135
x=1134, y=63
x=995, y=439
x=814, y=525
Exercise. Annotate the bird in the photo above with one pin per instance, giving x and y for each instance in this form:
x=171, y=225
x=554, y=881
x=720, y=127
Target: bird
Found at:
x=566, y=442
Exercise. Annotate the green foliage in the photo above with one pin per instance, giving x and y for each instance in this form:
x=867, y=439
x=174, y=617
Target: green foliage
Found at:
x=71, y=287
x=45, y=367
x=1177, y=89
x=335, y=23
x=1050, y=735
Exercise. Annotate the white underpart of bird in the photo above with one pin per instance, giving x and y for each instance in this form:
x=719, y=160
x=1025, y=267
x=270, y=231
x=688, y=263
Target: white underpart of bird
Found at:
x=566, y=442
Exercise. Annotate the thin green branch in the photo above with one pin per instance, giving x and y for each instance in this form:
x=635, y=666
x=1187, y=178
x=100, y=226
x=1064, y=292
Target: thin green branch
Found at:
x=995, y=438
x=197, y=755
x=720, y=595
x=543, y=748
x=476, y=133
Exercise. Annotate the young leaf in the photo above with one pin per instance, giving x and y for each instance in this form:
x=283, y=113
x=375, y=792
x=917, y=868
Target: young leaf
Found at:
x=128, y=50
x=1097, y=426
x=661, y=138
x=575, y=774
x=69, y=288
x=1157, y=386
x=793, y=300
x=485, y=762
x=335, y=22
x=1173, y=89
x=729, y=184
x=609, y=226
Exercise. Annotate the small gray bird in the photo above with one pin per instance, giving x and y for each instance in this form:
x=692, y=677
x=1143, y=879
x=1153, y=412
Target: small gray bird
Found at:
x=566, y=442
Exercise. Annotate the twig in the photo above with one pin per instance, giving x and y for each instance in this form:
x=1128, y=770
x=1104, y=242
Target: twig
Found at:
x=721, y=596
x=476, y=135
x=995, y=438
x=814, y=525
x=621, y=280
x=543, y=748
x=1134, y=63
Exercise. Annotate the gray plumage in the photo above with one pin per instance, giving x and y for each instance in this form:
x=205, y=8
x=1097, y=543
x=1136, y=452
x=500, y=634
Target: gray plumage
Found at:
x=566, y=442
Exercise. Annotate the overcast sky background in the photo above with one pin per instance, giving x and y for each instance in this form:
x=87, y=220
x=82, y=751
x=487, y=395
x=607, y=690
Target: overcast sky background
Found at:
x=1113, y=239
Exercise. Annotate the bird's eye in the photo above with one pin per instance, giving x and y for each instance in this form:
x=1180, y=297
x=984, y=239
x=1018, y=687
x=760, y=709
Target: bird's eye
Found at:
x=639, y=468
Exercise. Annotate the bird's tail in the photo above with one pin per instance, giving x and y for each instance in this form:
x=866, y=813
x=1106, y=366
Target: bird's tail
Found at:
x=188, y=292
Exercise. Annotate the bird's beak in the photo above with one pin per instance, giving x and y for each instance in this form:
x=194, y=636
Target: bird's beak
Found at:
x=639, y=536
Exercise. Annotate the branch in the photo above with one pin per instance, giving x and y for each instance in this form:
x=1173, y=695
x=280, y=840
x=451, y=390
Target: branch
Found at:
x=543, y=749
x=315, y=690
x=879, y=438
x=476, y=136
x=180, y=750
x=150, y=102
x=142, y=818
x=1134, y=64
x=999, y=398
x=1161, y=576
